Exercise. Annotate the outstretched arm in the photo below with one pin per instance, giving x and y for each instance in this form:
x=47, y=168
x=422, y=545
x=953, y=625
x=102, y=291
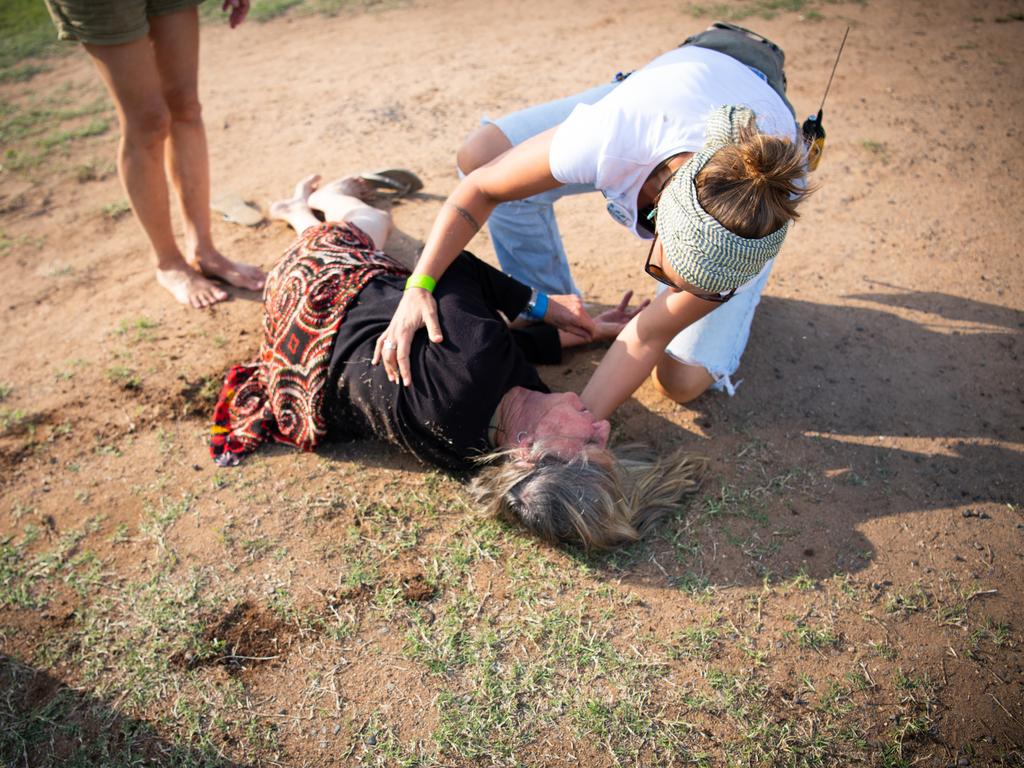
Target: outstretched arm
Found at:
x=636, y=351
x=520, y=172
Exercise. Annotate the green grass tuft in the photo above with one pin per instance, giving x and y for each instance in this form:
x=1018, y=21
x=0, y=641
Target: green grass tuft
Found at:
x=27, y=31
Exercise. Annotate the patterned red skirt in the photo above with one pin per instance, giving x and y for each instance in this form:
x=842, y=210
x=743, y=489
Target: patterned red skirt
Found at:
x=280, y=396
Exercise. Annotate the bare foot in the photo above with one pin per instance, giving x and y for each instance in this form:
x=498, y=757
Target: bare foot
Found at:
x=285, y=210
x=213, y=263
x=189, y=287
x=349, y=186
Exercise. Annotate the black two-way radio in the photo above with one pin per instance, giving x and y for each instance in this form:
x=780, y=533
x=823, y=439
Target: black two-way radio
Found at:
x=813, y=130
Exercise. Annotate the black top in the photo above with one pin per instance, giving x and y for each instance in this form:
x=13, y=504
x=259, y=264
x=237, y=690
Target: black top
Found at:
x=442, y=418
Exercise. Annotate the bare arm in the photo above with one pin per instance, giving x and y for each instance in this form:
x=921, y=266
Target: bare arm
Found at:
x=636, y=351
x=518, y=173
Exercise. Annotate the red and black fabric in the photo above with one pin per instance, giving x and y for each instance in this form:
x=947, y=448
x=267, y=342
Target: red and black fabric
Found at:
x=280, y=396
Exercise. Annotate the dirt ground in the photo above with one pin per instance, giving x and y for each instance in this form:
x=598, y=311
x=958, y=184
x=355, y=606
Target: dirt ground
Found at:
x=846, y=589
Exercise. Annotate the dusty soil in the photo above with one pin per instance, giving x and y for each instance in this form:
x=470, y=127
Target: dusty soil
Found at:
x=867, y=477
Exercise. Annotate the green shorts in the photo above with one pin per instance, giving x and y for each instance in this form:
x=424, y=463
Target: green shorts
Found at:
x=109, y=22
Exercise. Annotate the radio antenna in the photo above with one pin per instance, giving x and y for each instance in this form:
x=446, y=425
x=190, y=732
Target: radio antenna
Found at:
x=840, y=53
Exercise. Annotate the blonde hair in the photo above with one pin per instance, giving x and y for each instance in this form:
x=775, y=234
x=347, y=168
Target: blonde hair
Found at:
x=753, y=187
x=597, y=500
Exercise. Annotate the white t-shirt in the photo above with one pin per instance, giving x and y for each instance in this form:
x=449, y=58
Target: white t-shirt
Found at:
x=657, y=112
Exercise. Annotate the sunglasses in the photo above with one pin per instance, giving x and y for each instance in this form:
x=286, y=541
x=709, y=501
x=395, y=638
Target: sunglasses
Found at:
x=655, y=271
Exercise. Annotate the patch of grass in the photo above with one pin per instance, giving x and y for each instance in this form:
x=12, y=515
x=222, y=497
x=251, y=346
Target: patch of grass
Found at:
x=59, y=270
x=764, y=9
x=115, y=210
x=28, y=580
x=5, y=391
x=877, y=148
x=124, y=377
x=267, y=10
x=814, y=637
x=18, y=123
x=803, y=581
x=27, y=31
x=441, y=645
x=21, y=73
x=16, y=161
x=68, y=371
x=18, y=422
x=271, y=9
x=996, y=633
x=95, y=127
x=32, y=131
x=22, y=241
x=907, y=603
x=702, y=642
x=138, y=330
x=94, y=170
x=625, y=728
x=493, y=720
x=257, y=547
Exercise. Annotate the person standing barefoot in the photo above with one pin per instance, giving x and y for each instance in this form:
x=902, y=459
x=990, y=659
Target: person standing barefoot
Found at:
x=147, y=53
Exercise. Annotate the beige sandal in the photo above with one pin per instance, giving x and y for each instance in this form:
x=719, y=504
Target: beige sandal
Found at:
x=234, y=208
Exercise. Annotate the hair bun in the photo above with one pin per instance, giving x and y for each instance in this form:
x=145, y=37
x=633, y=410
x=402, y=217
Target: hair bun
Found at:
x=753, y=187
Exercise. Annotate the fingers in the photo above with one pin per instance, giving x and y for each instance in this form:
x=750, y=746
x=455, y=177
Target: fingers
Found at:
x=403, y=362
x=389, y=357
x=433, y=326
x=395, y=357
x=626, y=298
x=239, y=9
x=384, y=351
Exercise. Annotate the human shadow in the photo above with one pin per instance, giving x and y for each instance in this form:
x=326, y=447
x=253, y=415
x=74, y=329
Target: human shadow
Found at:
x=853, y=413
x=44, y=722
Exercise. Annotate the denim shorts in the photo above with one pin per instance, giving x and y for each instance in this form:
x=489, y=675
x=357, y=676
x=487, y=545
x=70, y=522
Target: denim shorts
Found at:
x=716, y=341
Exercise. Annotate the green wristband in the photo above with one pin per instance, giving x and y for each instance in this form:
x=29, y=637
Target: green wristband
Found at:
x=426, y=282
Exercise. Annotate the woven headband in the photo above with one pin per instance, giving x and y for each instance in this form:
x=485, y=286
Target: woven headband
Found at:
x=699, y=248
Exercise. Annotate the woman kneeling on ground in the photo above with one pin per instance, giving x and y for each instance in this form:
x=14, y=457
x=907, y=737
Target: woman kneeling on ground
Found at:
x=697, y=152
x=477, y=401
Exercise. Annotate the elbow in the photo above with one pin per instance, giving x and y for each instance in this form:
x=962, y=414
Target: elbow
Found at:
x=481, y=147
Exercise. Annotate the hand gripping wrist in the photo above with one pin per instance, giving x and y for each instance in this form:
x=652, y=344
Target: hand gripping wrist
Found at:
x=426, y=282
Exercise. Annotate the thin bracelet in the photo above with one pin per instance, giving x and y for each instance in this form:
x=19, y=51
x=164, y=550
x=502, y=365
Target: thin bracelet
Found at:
x=426, y=282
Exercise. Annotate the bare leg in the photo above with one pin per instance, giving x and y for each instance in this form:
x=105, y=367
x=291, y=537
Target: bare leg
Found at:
x=175, y=39
x=130, y=74
x=344, y=200
x=295, y=210
x=680, y=382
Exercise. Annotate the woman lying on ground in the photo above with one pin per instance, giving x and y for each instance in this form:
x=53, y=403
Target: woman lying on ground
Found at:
x=477, y=403
x=680, y=159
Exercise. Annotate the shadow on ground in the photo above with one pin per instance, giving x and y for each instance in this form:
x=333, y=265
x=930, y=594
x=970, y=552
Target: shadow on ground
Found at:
x=45, y=723
x=844, y=415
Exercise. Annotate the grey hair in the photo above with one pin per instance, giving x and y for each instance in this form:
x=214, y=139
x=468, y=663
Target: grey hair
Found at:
x=597, y=499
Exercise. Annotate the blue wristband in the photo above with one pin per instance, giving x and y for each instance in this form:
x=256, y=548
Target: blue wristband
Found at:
x=538, y=307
